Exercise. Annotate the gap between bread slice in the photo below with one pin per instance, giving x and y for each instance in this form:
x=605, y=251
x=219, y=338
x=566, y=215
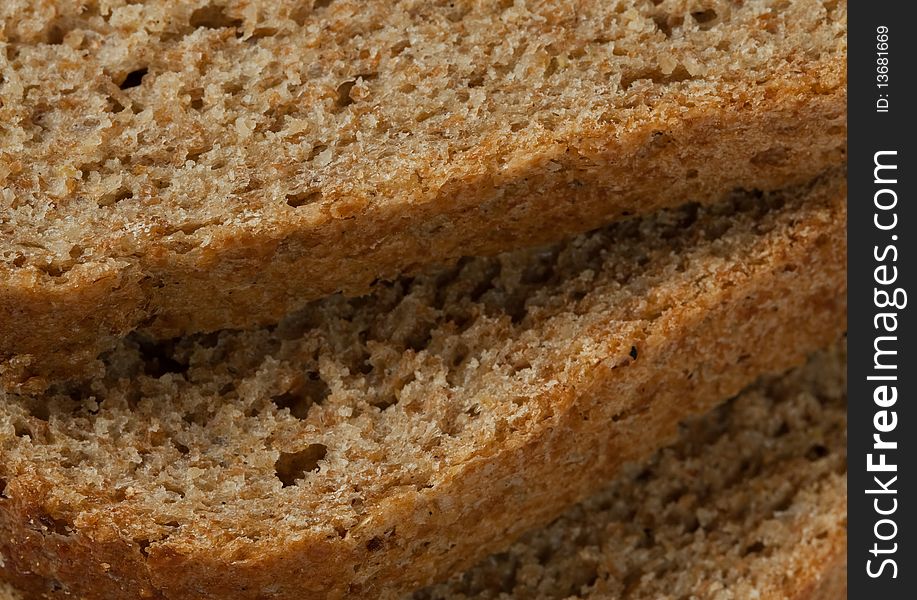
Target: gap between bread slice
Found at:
x=372, y=445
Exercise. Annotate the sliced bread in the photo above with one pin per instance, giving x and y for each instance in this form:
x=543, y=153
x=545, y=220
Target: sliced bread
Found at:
x=751, y=502
x=367, y=447
x=179, y=167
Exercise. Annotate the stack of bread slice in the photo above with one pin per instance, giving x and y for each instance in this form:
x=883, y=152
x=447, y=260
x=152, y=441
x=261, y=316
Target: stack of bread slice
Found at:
x=336, y=299
x=749, y=502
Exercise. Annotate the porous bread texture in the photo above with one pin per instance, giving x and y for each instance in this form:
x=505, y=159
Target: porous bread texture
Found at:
x=750, y=502
x=181, y=167
x=368, y=447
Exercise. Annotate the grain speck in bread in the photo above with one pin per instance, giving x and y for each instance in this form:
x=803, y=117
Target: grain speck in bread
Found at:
x=750, y=502
x=189, y=166
x=367, y=447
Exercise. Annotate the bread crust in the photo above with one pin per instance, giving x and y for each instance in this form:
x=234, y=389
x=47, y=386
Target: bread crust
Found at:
x=765, y=318
x=767, y=136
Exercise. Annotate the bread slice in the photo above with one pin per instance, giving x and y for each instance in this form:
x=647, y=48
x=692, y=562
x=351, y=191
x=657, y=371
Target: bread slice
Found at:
x=366, y=447
x=751, y=502
x=179, y=167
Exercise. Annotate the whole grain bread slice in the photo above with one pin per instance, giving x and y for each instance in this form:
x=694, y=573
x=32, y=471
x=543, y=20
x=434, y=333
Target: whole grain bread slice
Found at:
x=750, y=502
x=370, y=446
x=179, y=167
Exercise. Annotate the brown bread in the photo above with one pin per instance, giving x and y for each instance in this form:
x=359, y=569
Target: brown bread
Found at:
x=750, y=502
x=178, y=167
x=366, y=447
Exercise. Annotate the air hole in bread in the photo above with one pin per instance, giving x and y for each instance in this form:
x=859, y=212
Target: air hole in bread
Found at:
x=784, y=503
x=133, y=79
x=306, y=392
x=196, y=152
x=316, y=150
x=39, y=410
x=816, y=452
x=364, y=367
x=419, y=339
x=212, y=17
x=53, y=525
x=56, y=35
x=400, y=47
x=303, y=198
x=755, y=548
x=458, y=13
x=21, y=429
x=53, y=270
x=170, y=487
x=662, y=24
x=476, y=80
x=262, y=32
x=114, y=198
x=423, y=115
x=390, y=398
x=705, y=19
x=656, y=76
x=551, y=68
x=159, y=358
x=374, y=544
x=292, y=466
x=343, y=94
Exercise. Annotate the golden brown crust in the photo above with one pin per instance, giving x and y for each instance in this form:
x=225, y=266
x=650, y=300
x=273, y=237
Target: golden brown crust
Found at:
x=675, y=144
x=755, y=317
